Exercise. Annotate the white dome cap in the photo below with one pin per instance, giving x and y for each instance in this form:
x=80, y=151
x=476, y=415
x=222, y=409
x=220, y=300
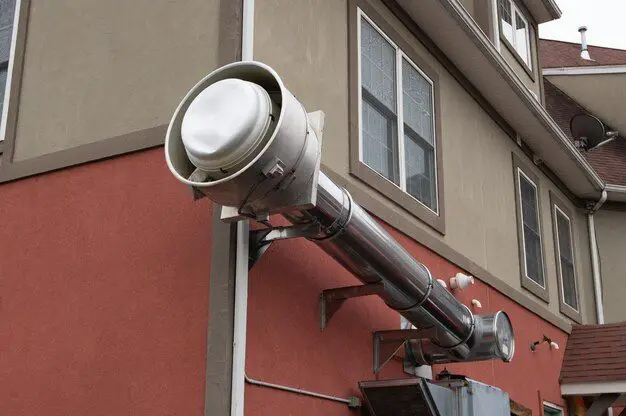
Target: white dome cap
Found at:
x=225, y=123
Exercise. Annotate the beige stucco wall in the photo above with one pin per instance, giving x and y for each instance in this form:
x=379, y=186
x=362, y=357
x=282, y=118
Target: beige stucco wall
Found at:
x=477, y=162
x=469, y=5
x=116, y=66
x=519, y=70
x=611, y=231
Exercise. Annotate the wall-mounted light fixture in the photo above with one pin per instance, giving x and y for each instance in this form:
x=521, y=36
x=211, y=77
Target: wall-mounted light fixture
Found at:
x=553, y=345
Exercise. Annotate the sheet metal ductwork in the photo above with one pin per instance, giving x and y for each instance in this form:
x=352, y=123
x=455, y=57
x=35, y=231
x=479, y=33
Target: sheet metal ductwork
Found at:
x=276, y=164
x=353, y=238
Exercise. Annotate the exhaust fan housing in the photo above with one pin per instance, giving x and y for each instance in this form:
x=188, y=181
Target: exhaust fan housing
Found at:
x=242, y=139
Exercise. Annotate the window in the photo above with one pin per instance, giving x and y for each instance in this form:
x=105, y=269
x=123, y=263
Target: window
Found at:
x=515, y=30
x=564, y=255
x=532, y=264
x=7, y=14
x=397, y=120
x=552, y=410
x=533, y=259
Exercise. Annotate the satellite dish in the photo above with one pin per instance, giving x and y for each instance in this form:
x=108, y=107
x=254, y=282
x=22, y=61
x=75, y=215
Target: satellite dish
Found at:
x=589, y=132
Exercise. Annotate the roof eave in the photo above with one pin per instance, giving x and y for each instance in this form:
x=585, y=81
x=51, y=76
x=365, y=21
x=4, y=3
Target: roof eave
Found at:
x=616, y=192
x=543, y=10
x=584, y=70
x=553, y=9
x=456, y=33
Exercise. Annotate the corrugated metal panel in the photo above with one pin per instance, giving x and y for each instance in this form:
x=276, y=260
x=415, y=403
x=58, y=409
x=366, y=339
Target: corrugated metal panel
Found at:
x=407, y=397
x=455, y=397
x=485, y=400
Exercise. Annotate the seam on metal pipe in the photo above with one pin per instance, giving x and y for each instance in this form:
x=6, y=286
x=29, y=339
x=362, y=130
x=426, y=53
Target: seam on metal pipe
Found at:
x=352, y=402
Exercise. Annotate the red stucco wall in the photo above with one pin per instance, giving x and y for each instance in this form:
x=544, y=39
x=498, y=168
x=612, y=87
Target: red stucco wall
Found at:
x=285, y=345
x=103, y=306
x=103, y=292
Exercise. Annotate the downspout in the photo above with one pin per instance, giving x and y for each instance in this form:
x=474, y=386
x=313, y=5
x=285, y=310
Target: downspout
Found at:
x=241, y=269
x=595, y=259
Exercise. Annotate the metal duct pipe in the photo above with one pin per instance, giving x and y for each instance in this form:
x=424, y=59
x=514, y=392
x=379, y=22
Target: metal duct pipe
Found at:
x=361, y=245
x=242, y=139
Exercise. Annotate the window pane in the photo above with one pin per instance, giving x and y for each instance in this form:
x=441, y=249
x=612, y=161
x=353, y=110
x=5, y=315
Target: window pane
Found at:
x=566, y=258
x=504, y=10
x=534, y=262
x=521, y=38
x=7, y=10
x=420, y=169
x=531, y=231
x=417, y=100
x=380, y=146
x=3, y=81
x=378, y=66
x=550, y=411
x=569, y=284
x=565, y=238
x=529, y=204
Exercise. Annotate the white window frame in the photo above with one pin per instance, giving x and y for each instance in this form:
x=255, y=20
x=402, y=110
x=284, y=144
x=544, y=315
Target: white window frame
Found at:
x=516, y=11
x=552, y=406
x=521, y=173
x=495, y=18
x=400, y=55
x=7, y=88
x=558, y=250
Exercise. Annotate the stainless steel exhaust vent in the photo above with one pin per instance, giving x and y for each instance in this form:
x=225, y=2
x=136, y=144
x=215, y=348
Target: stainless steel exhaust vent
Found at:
x=277, y=168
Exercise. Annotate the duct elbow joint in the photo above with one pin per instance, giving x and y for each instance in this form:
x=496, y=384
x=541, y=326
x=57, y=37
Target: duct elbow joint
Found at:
x=492, y=338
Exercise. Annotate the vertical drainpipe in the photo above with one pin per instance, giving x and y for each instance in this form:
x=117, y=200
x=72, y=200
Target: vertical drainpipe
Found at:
x=241, y=268
x=595, y=259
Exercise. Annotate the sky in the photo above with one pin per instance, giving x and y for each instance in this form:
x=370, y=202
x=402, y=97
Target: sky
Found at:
x=603, y=18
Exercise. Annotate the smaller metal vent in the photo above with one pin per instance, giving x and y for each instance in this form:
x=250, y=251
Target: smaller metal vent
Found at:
x=407, y=397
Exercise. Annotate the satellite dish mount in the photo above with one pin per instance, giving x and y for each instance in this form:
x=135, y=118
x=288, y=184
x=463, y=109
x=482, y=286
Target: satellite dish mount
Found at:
x=589, y=132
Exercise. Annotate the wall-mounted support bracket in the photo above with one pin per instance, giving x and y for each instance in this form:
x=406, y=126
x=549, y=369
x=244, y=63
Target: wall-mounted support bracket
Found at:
x=332, y=299
x=387, y=343
x=261, y=239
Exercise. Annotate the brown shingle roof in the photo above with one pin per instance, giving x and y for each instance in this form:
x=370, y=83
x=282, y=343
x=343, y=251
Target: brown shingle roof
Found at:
x=609, y=160
x=558, y=54
x=595, y=353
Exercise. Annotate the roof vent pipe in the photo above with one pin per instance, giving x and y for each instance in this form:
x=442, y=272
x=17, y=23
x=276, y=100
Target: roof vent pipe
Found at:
x=243, y=140
x=584, y=51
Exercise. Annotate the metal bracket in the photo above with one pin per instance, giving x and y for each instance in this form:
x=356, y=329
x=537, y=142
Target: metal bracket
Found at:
x=387, y=343
x=261, y=239
x=332, y=299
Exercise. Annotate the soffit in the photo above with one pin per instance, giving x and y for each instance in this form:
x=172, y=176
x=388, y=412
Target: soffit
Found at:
x=602, y=94
x=543, y=10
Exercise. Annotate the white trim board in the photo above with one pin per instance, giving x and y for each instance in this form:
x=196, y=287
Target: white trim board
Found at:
x=615, y=188
x=583, y=389
x=585, y=70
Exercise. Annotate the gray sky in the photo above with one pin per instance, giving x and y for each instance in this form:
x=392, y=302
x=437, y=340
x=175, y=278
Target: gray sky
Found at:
x=604, y=19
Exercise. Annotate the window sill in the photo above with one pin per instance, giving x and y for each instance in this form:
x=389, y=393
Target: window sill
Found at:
x=399, y=197
x=570, y=312
x=518, y=58
x=535, y=289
